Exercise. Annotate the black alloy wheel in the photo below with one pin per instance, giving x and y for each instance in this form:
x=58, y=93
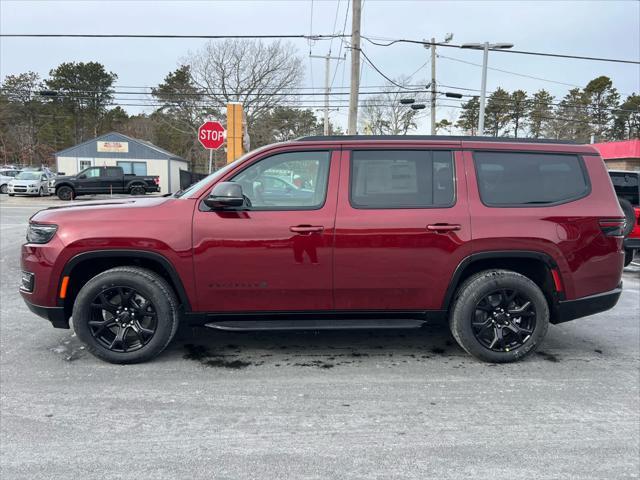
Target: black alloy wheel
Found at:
x=4, y=188
x=138, y=190
x=122, y=320
x=65, y=193
x=504, y=320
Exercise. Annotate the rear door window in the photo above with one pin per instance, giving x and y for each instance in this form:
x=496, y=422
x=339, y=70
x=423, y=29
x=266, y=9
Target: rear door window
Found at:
x=401, y=179
x=529, y=179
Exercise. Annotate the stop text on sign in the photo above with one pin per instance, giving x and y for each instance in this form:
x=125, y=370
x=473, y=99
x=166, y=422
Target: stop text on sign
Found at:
x=211, y=135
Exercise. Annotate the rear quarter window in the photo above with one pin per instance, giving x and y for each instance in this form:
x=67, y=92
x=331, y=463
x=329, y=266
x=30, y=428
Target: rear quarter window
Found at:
x=529, y=179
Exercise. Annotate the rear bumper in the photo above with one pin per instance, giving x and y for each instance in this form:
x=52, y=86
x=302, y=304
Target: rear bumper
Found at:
x=632, y=243
x=55, y=315
x=582, y=307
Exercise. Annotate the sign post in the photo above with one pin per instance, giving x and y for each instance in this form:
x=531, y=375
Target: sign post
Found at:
x=211, y=135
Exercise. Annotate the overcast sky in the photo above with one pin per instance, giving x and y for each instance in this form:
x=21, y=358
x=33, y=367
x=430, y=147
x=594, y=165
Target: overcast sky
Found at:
x=592, y=28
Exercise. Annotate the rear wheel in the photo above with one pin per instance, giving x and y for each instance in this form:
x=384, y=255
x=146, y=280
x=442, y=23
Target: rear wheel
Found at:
x=126, y=315
x=65, y=193
x=499, y=316
x=137, y=190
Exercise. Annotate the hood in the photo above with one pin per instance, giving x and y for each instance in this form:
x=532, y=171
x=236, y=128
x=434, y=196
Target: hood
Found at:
x=63, y=177
x=24, y=182
x=91, y=209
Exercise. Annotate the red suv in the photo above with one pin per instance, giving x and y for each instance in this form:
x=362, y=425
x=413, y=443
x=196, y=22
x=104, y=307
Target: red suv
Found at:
x=500, y=237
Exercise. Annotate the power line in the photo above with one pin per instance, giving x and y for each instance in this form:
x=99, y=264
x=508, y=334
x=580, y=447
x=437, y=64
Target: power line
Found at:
x=382, y=74
x=344, y=29
x=510, y=72
x=521, y=52
x=135, y=35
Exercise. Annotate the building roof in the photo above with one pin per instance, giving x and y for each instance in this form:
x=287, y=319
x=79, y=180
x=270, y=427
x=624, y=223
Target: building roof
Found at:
x=138, y=149
x=616, y=150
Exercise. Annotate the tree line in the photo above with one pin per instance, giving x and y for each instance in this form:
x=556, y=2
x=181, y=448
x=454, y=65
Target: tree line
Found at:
x=597, y=111
x=78, y=101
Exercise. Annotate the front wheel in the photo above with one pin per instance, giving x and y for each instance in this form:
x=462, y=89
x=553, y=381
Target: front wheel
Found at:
x=499, y=316
x=126, y=315
x=65, y=193
x=4, y=188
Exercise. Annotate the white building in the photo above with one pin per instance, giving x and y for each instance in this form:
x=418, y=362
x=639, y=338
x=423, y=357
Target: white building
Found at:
x=134, y=156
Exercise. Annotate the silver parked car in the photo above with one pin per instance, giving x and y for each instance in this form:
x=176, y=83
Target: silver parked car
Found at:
x=29, y=183
x=6, y=175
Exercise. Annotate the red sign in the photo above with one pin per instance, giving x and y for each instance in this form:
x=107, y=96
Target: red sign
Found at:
x=211, y=135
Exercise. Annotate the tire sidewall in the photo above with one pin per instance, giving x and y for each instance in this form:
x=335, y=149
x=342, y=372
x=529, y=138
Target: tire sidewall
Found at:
x=165, y=311
x=475, y=291
x=629, y=215
x=65, y=189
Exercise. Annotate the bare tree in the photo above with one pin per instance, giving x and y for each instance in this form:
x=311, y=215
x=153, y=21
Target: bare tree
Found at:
x=385, y=115
x=246, y=71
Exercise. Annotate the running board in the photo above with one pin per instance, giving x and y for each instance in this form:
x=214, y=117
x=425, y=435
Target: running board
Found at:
x=332, y=324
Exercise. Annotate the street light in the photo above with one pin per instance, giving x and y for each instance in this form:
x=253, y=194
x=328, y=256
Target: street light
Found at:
x=486, y=46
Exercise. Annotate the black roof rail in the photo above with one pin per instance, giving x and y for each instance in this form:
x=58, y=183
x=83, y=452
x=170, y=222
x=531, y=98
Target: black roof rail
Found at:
x=460, y=138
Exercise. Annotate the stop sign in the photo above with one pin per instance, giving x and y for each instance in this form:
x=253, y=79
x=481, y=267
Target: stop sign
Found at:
x=211, y=135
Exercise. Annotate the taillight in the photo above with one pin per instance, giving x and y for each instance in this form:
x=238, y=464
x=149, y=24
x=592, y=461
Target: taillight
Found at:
x=157, y=180
x=612, y=227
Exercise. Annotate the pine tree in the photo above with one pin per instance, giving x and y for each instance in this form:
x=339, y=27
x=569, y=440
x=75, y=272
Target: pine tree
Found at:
x=540, y=114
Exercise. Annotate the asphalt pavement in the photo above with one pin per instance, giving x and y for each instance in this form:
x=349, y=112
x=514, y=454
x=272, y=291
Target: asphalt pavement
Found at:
x=370, y=405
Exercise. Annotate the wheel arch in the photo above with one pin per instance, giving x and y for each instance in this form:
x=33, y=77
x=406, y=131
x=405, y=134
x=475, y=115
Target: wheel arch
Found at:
x=536, y=266
x=65, y=184
x=86, y=265
x=135, y=183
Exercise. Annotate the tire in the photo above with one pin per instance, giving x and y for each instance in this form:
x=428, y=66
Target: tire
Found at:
x=628, y=256
x=474, y=325
x=41, y=192
x=137, y=190
x=4, y=189
x=11, y=194
x=629, y=215
x=65, y=193
x=110, y=331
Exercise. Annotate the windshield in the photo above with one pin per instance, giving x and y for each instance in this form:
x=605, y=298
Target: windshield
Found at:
x=28, y=176
x=197, y=187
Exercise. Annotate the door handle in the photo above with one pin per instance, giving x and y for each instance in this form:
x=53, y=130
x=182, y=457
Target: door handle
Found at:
x=443, y=227
x=306, y=229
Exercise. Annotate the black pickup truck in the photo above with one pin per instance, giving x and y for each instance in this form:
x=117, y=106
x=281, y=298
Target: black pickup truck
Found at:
x=95, y=180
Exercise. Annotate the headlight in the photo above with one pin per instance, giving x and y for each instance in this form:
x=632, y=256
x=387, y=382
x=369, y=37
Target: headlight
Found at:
x=40, y=233
x=52, y=182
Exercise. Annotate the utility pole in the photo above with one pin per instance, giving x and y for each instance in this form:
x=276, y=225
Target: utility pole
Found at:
x=486, y=46
x=433, y=86
x=327, y=86
x=355, y=67
x=433, y=83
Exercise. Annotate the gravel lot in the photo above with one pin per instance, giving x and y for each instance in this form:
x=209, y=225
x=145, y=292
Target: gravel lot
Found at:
x=315, y=406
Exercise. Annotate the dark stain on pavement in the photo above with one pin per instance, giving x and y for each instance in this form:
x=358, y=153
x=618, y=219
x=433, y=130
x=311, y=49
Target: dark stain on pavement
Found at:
x=548, y=357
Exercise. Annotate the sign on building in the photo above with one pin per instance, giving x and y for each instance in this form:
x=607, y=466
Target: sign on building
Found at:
x=113, y=147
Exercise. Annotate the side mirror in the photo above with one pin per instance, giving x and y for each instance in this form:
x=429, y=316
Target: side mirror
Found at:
x=225, y=195
x=82, y=177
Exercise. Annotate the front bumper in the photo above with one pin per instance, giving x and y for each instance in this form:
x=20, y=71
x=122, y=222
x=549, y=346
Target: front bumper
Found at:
x=571, y=309
x=55, y=315
x=21, y=190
